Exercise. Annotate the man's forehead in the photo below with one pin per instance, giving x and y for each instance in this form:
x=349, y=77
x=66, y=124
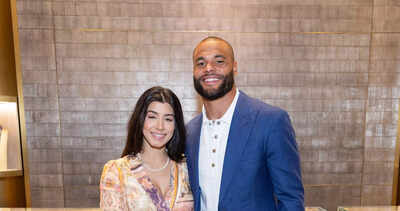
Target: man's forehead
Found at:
x=212, y=46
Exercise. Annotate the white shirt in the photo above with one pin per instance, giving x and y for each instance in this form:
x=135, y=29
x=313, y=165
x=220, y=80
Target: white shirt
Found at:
x=213, y=139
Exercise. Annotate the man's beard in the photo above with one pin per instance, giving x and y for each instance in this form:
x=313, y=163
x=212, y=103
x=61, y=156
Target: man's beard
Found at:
x=225, y=87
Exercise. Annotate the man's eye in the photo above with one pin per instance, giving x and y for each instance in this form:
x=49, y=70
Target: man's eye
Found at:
x=200, y=64
x=220, y=62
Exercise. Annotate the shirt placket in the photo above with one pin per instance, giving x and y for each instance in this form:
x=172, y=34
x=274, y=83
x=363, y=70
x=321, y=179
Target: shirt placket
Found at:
x=219, y=151
x=213, y=149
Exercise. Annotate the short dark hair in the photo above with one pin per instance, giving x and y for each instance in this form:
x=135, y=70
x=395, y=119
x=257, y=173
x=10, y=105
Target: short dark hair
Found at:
x=216, y=39
x=134, y=142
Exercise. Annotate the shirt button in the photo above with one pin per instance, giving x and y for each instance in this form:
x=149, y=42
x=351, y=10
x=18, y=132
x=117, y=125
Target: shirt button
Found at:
x=215, y=136
x=212, y=165
x=214, y=150
x=218, y=123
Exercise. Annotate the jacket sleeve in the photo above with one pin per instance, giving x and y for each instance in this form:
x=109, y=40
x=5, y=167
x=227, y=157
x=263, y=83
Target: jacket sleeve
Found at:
x=283, y=163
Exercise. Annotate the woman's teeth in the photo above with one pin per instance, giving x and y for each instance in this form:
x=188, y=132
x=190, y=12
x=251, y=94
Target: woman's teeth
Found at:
x=158, y=135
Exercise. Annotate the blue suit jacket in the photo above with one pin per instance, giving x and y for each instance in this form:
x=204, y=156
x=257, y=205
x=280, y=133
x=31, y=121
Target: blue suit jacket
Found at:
x=261, y=166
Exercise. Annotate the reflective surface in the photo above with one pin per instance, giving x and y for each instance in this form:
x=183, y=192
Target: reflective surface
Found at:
x=371, y=208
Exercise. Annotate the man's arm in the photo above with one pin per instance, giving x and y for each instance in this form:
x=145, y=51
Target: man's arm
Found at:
x=283, y=163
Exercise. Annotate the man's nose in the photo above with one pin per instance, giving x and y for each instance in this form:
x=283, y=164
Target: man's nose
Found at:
x=209, y=67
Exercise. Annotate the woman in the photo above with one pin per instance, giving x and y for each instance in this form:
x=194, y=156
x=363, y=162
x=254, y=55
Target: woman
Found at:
x=151, y=173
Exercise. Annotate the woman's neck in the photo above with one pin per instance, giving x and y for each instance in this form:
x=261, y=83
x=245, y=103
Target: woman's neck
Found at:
x=154, y=158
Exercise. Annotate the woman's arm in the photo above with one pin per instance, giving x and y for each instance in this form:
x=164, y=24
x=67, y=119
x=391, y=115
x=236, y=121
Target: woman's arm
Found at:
x=111, y=188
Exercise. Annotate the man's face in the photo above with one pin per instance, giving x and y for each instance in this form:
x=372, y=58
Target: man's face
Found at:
x=213, y=69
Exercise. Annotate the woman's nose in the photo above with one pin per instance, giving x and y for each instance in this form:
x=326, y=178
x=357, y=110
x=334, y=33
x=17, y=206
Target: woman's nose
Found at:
x=160, y=124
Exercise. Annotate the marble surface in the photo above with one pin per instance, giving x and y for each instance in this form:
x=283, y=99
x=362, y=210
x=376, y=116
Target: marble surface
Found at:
x=370, y=208
x=315, y=209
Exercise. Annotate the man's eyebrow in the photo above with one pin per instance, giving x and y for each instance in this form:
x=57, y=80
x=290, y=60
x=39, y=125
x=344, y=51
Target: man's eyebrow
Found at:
x=219, y=56
x=199, y=58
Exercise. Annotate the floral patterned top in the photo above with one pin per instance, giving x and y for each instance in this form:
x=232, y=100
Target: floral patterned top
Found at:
x=125, y=186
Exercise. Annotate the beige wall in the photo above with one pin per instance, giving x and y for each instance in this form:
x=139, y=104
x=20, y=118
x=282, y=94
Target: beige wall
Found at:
x=85, y=63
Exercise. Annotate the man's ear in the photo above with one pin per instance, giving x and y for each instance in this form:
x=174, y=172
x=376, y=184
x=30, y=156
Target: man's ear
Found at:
x=235, y=69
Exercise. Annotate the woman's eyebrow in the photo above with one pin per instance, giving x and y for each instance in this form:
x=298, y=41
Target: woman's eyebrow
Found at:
x=170, y=114
x=151, y=111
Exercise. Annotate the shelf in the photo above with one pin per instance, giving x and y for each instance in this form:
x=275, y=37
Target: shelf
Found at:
x=11, y=173
x=4, y=98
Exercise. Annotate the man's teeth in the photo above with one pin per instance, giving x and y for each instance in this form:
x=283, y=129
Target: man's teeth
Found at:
x=211, y=79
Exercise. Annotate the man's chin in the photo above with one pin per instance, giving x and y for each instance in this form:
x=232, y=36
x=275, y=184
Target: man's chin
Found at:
x=212, y=95
x=211, y=91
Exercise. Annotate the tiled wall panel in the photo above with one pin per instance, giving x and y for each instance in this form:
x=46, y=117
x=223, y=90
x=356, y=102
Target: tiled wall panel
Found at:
x=382, y=118
x=41, y=102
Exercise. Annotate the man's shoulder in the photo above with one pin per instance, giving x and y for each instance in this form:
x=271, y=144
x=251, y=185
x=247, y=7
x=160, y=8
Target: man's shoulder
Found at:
x=194, y=121
x=264, y=113
x=261, y=107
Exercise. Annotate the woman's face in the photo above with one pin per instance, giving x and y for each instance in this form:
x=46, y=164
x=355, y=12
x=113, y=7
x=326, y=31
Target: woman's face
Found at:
x=159, y=125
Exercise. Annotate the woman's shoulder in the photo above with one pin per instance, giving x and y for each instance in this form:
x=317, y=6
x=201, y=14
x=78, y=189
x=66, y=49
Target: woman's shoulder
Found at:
x=124, y=162
x=116, y=162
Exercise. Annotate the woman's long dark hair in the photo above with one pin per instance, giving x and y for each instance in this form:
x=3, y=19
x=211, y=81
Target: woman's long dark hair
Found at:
x=134, y=142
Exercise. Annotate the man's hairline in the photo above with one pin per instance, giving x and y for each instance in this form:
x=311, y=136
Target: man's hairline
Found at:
x=216, y=39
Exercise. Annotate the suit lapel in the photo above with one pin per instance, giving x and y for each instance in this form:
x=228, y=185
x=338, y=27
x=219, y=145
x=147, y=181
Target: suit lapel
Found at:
x=239, y=132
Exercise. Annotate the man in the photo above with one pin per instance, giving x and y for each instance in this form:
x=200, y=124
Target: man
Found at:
x=241, y=153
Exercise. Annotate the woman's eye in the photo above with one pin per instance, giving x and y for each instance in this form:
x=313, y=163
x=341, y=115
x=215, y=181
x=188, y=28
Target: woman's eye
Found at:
x=169, y=119
x=151, y=117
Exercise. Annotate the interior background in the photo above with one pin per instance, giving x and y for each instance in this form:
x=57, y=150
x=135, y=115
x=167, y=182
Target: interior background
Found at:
x=332, y=64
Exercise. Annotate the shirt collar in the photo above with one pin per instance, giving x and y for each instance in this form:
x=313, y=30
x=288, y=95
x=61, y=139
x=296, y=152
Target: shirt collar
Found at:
x=227, y=117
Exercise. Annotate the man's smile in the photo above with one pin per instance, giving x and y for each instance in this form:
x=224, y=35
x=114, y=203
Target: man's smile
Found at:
x=211, y=79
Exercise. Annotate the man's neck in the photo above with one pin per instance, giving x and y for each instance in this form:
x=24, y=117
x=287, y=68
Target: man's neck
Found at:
x=215, y=109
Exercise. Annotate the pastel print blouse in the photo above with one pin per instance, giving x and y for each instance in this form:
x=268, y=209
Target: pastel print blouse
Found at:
x=125, y=186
